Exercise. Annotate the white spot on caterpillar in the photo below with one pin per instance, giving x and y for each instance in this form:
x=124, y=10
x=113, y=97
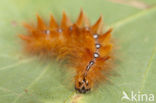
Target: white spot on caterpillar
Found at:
x=60, y=30
x=97, y=46
x=96, y=55
x=95, y=36
x=47, y=32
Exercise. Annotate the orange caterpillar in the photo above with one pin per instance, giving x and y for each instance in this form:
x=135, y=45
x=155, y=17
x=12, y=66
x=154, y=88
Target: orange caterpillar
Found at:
x=87, y=48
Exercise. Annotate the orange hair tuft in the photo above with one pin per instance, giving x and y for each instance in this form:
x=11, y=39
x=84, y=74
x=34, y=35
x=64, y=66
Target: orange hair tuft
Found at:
x=88, y=48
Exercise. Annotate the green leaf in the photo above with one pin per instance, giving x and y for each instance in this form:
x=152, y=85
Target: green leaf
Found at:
x=25, y=79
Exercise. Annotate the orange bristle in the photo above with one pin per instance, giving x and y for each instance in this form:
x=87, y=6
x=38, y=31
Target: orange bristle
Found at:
x=86, y=47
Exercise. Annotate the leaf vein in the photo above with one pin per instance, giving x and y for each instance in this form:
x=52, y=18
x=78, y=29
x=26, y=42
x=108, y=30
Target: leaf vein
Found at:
x=16, y=64
x=35, y=81
x=147, y=69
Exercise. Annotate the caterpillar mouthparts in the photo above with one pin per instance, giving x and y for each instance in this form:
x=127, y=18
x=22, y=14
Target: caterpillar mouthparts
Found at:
x=86, y=46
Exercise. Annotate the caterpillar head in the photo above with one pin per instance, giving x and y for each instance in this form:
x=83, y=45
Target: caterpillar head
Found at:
x=83, y=84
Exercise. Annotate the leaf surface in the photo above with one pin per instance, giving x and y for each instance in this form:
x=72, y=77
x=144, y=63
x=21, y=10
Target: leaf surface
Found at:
x=25, y=79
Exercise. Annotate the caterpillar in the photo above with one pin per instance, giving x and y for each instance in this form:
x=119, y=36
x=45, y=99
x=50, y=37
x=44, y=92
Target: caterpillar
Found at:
x=88, y=49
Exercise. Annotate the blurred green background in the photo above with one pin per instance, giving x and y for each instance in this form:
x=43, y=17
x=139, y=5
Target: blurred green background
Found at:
x=26, y=79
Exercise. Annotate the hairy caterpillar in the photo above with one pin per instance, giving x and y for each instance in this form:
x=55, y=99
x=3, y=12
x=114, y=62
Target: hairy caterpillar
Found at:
x=87, y=48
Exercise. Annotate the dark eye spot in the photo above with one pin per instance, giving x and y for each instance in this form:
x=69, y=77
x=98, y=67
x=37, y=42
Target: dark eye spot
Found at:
x=87, y=84
x=83, y=88
x=80, y=84
x=84, y=79
x=47, y=32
